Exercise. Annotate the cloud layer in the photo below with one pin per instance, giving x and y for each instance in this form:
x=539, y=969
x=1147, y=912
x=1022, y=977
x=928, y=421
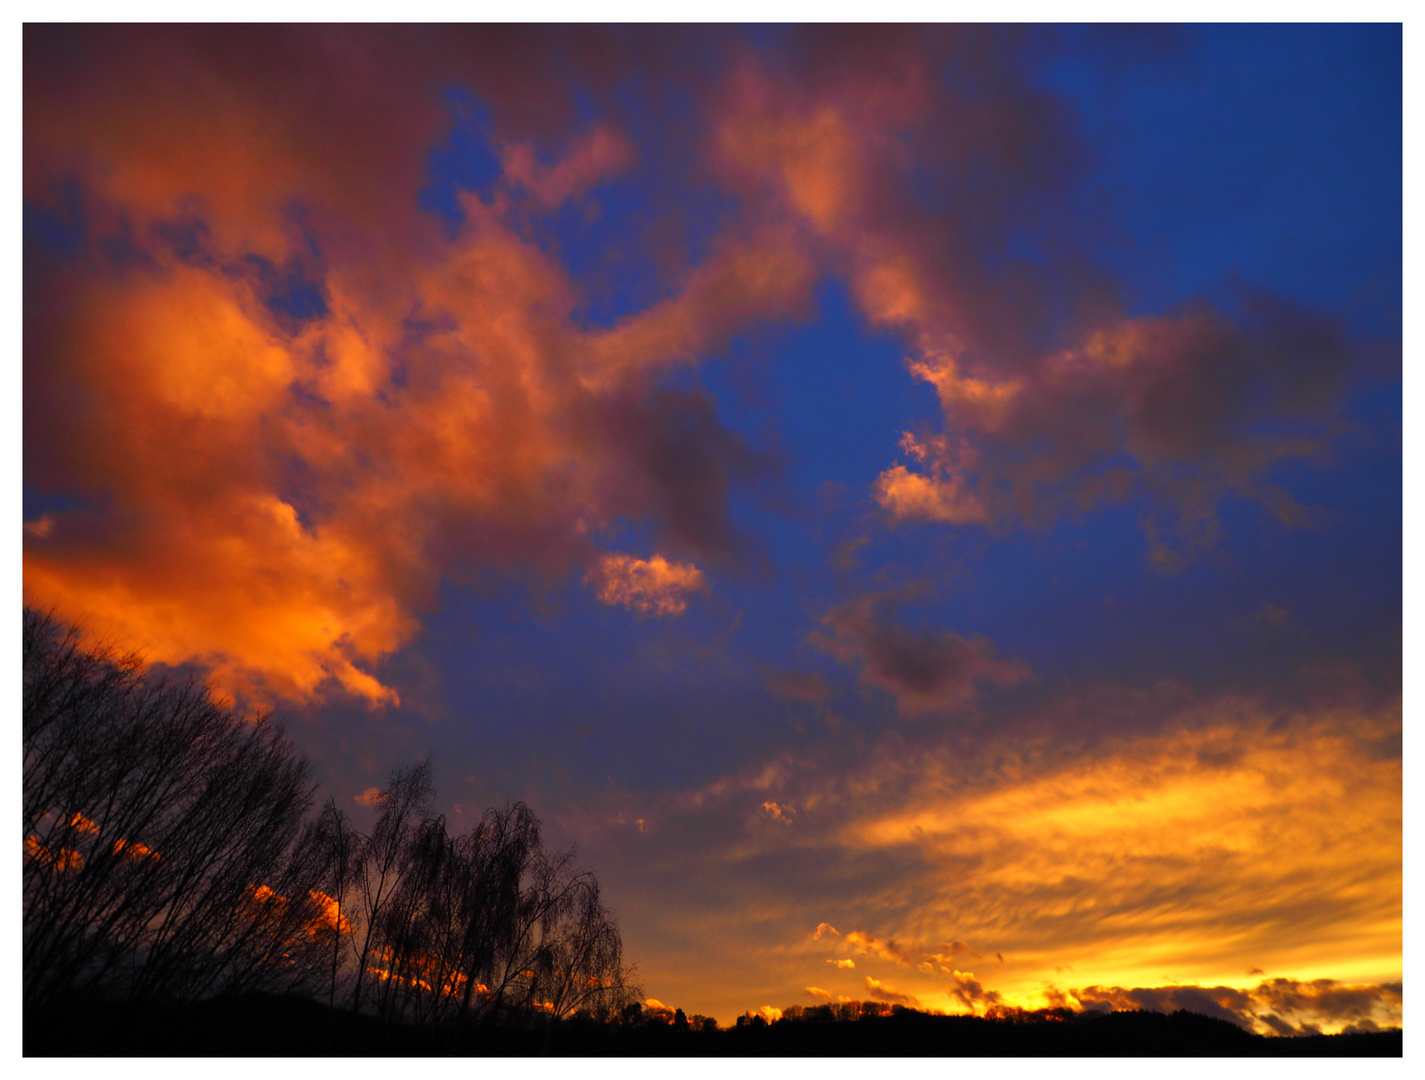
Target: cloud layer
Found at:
x=1234, y=841
x=291, y=401
x=289, y=409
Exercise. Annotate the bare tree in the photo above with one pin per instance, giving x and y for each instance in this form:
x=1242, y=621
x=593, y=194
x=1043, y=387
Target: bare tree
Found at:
x=157, y=823
x=386, y=853
x=489, y=926
x=168, y=854
x=338, y=847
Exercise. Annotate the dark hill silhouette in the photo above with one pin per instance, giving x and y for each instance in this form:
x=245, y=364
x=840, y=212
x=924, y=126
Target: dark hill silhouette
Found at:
x=291, y=1026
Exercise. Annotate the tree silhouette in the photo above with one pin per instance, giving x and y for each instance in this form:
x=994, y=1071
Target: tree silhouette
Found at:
x=159, y=833
x=385, y=854
x=168, y=856
x=487, y=925
x=337, y=847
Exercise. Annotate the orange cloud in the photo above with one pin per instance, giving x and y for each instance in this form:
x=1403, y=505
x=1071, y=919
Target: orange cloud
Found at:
x=811, y=158
x=648, y=586
x=248, y=119
x=778, y=812
x=914, y=497
x=818, y=992
x=331, y=916
x=848, y=964
x=813, y=147
x=137, y=849
x=655, y=1010
x=62, y=859
x=83, y=824
x=944, y=495
x=758, y=274
x=277, y=497
x=886, y=950
x=1171, y=832
x=213, y=552
x=1169, y=394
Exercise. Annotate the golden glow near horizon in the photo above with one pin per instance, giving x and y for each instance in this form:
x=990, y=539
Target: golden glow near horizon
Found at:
x=1255, y=857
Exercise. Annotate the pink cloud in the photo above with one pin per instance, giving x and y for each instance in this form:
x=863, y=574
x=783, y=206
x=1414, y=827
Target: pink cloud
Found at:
x=597, y=155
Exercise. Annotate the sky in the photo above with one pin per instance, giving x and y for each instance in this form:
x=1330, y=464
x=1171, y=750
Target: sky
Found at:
x=919, y=509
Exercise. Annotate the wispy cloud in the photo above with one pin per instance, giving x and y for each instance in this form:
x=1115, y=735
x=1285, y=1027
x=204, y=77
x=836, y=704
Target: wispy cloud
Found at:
x=1234, y=837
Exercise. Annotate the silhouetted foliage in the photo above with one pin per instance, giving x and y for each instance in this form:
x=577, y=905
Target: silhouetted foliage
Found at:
x=385, y=856
x=337, y=847
x=159, y=834
x=263, y=1025
x=168, y=857
x=486, y=925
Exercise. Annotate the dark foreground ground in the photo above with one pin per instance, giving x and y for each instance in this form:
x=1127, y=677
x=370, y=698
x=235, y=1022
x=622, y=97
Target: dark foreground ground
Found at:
x=294, y=1027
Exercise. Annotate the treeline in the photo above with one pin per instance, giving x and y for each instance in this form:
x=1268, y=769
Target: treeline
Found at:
x=265, y=1026
x=172, y=855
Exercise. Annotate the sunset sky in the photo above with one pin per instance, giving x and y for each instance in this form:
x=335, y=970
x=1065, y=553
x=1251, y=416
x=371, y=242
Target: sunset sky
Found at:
x=920, y=508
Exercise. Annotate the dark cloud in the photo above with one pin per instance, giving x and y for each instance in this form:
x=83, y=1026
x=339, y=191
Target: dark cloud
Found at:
x=1314, y=1005
x=925, y=670
x=680, y=463
x=1179, y=411
x=1328, y=997
x=953, y=951
x=971, y=993
x=886, y=950
x=884, y=992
